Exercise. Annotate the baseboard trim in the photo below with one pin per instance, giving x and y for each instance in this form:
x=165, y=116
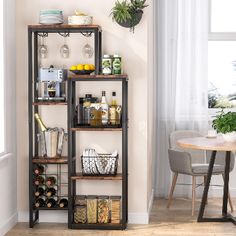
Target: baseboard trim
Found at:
x=61, y=217
x=8, y=224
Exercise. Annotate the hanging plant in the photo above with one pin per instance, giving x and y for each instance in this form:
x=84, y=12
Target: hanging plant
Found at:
x=128, y=14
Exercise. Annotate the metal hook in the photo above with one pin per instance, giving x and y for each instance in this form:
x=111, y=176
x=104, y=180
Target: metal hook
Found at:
x=86, y=34
x=66, y=34
x=43, y=35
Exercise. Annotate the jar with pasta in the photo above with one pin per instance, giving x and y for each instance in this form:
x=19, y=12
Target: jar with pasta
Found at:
x=115, y=209
x=92, y=209
x=103, y=209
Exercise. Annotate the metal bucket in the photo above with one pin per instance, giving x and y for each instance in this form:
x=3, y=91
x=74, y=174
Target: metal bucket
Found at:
x=51, y=139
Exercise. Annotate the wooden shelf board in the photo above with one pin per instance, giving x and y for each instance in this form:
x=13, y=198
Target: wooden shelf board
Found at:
x=64, y=26
x=98, y=226
x=79, y=176
x=50, y=160
x=95, y=129
x=97, y=77
x=52, y=209
x=49, y=103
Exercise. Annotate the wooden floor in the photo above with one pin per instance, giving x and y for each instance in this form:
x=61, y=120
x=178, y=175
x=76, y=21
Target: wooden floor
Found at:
x=173, y=222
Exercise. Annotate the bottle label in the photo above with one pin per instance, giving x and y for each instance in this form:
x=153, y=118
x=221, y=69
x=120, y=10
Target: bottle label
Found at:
x=116, y=66
x=106, y=66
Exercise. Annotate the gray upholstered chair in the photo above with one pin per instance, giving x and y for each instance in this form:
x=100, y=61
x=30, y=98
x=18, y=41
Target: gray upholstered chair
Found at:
x=191, y=162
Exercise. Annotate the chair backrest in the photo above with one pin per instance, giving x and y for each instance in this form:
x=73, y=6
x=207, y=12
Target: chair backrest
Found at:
x=198, y=156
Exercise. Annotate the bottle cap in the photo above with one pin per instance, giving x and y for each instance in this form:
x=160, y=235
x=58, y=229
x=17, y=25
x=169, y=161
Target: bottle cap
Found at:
x=116, y=55
x=113, y=93
x=106, y=56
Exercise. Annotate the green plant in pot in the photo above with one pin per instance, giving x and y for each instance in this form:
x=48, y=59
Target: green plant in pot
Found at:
x=128, y=14
x=225, y=123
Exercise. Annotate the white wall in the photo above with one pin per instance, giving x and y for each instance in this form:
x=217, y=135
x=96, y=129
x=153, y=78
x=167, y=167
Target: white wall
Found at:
x=8, y=196
x=134, y=50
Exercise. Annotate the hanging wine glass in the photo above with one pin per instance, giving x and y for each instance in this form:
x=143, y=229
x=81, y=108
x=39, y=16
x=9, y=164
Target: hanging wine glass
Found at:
x=87, y=50
x=65, y=51
x=43, y=49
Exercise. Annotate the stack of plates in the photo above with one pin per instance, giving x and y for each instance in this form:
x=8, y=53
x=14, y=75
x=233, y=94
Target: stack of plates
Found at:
x=49, y=17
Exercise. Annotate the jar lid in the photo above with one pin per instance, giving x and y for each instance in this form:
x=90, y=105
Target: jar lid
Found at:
x=106, y=56
x=115, y=197
x=116, y=55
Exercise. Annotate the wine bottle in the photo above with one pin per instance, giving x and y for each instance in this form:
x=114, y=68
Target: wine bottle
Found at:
x=112, y=110
x=51, y=202
x=39, y=192
x=40, y=122
x=51, y=180
x=39, y=202
x=39, y=170
x=39, y=180
x=63, y=203
x=50, y=192
x=104, y=107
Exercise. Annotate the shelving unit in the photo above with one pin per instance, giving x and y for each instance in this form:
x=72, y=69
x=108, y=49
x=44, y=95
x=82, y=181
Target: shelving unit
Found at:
x=34, y=32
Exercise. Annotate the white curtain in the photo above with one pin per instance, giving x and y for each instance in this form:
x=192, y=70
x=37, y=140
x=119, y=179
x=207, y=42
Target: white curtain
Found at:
x=182, y=38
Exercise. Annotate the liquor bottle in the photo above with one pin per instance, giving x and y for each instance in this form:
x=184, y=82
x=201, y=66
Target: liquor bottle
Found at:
x=39, y=180
x=63, y=203
x=51, y=180
x=39, y=192
x=50, y=192
x=40, y=122
x=112, y=110
x=51, y=202
x=39, y=202
x=104, y=107
x=39, y=170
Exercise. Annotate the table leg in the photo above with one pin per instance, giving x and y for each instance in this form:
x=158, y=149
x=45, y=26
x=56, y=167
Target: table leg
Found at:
x=206, y=188
x=226, y=183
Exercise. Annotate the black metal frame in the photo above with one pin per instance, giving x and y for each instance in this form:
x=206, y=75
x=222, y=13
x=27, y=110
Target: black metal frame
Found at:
x=226, y=217
x=71, y=147
x=34, y=32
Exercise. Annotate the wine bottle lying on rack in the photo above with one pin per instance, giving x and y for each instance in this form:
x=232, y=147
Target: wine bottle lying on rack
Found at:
x=51, y=202
x=63, y=203
x=50, y=181
x=39, y=169
x=39, y=180
x=50, y=192
x=39, y=192
x=39, y=202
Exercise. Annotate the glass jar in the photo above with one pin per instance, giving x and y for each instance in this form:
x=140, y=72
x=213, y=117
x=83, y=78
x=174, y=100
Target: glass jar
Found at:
x=80, y=214
x=103, y=209
x=92, y=209
x=115, y=209
x=116, y=65
x=80, y=200
x=107, y=65
x=95, y=114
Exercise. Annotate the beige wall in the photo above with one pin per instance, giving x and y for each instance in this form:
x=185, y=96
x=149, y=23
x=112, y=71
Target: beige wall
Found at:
x=134, y=50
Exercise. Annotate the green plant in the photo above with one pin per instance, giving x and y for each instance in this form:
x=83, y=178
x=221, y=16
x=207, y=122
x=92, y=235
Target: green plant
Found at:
x=127, y=12
x=225, y=122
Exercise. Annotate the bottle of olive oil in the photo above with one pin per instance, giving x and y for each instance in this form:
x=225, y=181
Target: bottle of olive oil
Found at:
x=112, y=110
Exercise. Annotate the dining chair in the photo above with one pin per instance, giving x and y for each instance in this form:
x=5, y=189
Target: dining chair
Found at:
x=192, y=162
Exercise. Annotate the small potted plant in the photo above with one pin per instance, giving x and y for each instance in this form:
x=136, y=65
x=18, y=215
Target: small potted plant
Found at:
x=225, y=123
x=128, y=14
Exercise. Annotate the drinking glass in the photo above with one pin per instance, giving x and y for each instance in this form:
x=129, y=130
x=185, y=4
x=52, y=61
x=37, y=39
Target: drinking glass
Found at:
x=43, y=50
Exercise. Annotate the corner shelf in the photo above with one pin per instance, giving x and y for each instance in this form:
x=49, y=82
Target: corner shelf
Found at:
x=79, y=176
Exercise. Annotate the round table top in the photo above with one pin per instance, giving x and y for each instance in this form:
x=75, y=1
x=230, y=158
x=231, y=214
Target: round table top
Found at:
x=204, y=143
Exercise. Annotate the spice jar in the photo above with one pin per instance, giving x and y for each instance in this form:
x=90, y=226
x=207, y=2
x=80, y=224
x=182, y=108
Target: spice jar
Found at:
x=103, y=209
x=92, y=209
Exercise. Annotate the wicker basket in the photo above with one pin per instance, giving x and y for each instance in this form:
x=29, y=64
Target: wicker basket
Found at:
x=102, y=165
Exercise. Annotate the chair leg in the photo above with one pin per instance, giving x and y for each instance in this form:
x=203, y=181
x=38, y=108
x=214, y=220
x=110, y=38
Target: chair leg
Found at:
x=172, y=189
x=193, y=193
x=205, y=179
x=229, y=197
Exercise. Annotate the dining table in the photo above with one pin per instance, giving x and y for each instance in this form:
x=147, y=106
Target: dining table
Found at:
x=213, y=144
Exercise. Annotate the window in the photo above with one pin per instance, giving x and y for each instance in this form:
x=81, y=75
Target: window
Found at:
x=222, y=54
x=2, y=90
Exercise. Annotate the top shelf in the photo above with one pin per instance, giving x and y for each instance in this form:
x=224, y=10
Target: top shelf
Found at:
x=74, y=77
x=63, y=27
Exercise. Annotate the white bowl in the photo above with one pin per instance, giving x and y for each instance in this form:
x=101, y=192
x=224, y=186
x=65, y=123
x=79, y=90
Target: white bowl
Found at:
x=80, y=20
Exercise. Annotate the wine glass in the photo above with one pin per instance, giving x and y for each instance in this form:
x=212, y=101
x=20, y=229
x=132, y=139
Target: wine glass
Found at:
x=87, y=51
x=43, y=50
x=64, y=50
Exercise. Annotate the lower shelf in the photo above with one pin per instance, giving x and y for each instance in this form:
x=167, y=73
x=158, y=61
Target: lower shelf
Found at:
x=99, y=226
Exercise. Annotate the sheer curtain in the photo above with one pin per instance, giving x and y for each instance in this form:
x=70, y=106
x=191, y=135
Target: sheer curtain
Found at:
x=182, y=38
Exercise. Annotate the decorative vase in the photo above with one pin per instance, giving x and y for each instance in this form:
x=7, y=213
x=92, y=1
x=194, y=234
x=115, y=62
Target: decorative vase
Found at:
x=133, y=22
x=229, y=137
